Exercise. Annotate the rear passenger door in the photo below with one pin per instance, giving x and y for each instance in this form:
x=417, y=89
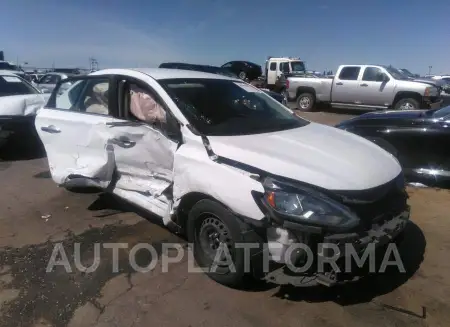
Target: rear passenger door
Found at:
x=74, y=129
x=346, y=86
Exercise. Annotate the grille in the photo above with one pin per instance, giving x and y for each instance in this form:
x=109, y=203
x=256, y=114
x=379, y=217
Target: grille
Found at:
x=386, y=201
x=392, y=204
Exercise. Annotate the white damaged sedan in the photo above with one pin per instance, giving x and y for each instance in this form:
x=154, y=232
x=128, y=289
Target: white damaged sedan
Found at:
x=227, y=165
x=19, y=101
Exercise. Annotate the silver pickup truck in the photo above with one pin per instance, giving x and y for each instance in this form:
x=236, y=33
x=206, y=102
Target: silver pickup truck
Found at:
x=366, y=87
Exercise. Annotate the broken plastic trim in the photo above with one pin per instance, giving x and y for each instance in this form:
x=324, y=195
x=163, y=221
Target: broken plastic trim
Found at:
x=209, y=150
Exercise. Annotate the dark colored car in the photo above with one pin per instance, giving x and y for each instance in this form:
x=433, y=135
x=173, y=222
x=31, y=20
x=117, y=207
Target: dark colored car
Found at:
x=420, y=140
x=216, y=70
x=196, y=67
x=244, y=69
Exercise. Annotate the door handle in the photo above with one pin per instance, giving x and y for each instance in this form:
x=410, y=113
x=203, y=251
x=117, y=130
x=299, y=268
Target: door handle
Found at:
x=50, y=129
x=364, y=84
x=339, y=83
x=123, y=142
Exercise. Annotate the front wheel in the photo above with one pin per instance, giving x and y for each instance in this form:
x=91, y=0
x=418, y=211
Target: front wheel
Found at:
x=305, y=102
x=242, y=75
x=214, y=232
x=407, y=104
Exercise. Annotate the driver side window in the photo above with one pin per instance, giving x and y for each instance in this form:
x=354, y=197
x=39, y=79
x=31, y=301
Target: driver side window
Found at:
x=85, y=95
x=373, y=74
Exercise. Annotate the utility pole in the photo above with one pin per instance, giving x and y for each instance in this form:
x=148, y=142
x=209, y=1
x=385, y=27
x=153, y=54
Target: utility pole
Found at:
x=93, y=64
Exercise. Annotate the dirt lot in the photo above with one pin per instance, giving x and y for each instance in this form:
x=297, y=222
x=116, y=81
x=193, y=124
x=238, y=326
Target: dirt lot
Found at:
x=35, y=215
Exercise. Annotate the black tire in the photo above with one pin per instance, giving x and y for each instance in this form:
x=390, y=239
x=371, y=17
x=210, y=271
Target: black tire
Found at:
x=205, y=214
x=407, y=104
x=305, y=102
x=242, y=75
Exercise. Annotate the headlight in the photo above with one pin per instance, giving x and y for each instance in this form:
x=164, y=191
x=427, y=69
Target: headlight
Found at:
x=307, y=205
x=430, y=91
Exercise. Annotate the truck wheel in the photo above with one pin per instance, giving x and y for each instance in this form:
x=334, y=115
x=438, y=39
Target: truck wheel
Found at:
x=305, y=102
x=214, y=231
x=407, y=104
x=242, y=75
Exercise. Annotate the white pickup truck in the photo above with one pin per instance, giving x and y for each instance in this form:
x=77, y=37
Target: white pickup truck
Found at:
x=366, y=87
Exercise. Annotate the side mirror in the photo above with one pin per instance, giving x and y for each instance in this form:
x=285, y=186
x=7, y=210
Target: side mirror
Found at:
x=382, y=78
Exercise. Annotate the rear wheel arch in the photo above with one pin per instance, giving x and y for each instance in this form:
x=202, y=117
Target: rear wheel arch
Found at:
x=305, y=89
x=305, y=98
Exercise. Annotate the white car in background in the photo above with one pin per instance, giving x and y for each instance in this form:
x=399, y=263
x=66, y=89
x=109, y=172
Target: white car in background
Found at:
x=224, y=163
x=19, y=101
x=48, y=81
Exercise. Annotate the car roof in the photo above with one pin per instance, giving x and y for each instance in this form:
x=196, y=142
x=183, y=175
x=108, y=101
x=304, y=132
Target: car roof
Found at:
x=164, y=73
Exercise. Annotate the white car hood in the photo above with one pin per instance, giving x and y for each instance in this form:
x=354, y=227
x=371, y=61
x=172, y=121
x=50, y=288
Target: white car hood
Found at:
x=22, y=105
x=316, y=154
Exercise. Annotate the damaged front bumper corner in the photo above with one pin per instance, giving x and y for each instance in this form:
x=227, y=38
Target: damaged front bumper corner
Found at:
x=341, y=247
x=339, y=250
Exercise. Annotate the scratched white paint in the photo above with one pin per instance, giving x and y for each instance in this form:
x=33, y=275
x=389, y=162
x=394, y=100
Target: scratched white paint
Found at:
x=22, y=105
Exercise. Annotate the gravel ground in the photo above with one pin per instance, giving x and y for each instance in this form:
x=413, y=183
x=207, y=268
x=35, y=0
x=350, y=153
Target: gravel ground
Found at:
x=35, y=216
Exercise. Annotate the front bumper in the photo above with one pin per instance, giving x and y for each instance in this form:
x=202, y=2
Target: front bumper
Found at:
x=347, y=272
x=382, y=221
x=342, y=246
x=432, y=102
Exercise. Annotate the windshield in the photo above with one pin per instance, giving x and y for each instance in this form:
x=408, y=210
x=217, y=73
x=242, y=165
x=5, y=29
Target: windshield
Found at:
x=225, y=107
x=14, y=85
x=407, y=73
x=395, y=73
x=298, y=66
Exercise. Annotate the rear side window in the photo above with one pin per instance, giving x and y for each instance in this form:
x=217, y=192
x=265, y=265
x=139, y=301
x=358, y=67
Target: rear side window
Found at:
x=349, y=73
x=87, y=96
x=273, y=66
x=14, y=85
